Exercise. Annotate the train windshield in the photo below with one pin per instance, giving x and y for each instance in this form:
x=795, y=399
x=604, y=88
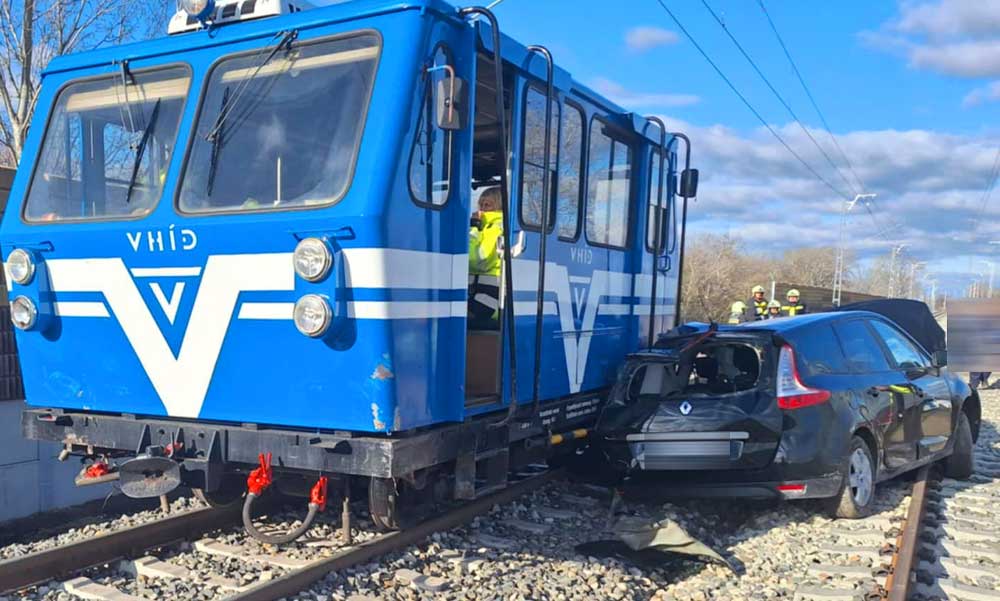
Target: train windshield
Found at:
x=280, y=130
x=107, y=147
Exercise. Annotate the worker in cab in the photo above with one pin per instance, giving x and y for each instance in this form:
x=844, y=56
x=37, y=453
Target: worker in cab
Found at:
x=773, y=310
x=484, y=262
x=757, y=307
x=737, y=313
x=794, y=306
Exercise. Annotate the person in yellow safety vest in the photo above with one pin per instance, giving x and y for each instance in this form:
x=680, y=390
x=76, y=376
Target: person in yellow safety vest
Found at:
x=757, y=306
x=794, y=307
x=773, y=310
x=737, y=313
x=484, y=262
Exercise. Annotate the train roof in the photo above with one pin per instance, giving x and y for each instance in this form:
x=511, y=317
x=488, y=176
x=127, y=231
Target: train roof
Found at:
x=513, y=51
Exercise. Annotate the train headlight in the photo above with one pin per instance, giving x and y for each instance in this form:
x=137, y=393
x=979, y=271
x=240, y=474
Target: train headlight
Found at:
x=312, y=259
x=23, y=313
x=312, y=315
x=21, y=268
x=198, y=9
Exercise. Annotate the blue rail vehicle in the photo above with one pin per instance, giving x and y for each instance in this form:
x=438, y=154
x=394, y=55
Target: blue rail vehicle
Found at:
x=243, y=250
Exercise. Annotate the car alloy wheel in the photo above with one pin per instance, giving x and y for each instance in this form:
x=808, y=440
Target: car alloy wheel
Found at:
x=860, y=478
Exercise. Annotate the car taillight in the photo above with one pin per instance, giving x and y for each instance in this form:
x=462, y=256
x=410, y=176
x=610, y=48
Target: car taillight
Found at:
x=792, y=393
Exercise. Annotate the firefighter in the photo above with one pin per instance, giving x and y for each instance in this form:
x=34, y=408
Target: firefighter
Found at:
x=738, y=313
x=794, y=307
x=773, y=310
x=757, y=306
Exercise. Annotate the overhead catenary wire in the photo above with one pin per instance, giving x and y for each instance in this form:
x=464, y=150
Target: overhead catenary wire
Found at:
x=778, y=95
x=750, y=106
x=812, y=99
x=988, y=190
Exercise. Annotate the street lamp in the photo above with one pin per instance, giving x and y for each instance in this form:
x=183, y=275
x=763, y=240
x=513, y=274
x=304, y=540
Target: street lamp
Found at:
x=838, y=278
x=913, y=275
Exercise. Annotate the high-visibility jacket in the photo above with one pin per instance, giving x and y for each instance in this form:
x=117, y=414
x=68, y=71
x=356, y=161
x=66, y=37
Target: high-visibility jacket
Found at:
x=735, y=319
x=793, y=310
x=484, y=256
x=757, y=309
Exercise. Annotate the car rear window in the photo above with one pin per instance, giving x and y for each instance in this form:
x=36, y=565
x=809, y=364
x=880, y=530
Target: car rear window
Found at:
x=860, y=347
x=715, y=369
x=818, y=351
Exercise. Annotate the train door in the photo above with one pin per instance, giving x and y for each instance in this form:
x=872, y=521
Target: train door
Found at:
x=658, y=277
x=484, y=338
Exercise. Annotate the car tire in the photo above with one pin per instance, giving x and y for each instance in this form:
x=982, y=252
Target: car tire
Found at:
x=857, y=494
x=961, y=463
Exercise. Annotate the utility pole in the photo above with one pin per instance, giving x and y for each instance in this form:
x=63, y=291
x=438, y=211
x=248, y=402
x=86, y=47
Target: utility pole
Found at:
x=933, y=284
x=989, y=291
x=913, y=276
x=838, y=279
x=893, y=275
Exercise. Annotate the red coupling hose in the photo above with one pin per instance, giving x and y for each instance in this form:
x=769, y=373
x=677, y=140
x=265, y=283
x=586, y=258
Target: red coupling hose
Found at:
x=317, y=502
x=260, y=478
x=318, y=494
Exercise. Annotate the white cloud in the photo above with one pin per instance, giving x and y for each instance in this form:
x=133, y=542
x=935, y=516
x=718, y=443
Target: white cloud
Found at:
x=638, y=100
x=988, y=93
x=948, y=18
x=641, y=39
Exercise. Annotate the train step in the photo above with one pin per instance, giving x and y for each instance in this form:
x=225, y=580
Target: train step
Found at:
x=481, y=473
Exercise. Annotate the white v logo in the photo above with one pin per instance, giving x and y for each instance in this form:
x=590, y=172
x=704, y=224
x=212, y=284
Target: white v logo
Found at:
x=181, y=382
x=169, y=307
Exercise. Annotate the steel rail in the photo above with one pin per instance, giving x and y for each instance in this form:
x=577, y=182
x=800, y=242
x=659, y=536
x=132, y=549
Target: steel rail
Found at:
x=904, y=560
x=21, y=572
x=295, y=582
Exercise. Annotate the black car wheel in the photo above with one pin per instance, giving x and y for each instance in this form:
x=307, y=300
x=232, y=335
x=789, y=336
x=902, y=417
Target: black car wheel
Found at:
x=858, y=492
x=960, y=463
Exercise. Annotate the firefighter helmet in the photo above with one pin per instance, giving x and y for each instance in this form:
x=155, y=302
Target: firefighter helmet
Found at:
x=758, y=290
x=738, y=307
x=793, y=292
x=774, y=305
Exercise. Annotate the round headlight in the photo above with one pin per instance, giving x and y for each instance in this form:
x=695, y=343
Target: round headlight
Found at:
x=197, y=8
x=312, y=315
x=23, y=313
x=312, y=259
x=20, y=266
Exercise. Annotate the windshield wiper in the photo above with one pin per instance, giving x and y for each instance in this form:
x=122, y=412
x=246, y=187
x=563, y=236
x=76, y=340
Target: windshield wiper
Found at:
x=141, y=150
x=287, y=37
x=213, y=161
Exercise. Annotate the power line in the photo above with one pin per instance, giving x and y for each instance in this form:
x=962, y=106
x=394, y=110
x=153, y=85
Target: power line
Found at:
x=778, y=95
x=988, y=190
x=812, y=100
x=746, y=102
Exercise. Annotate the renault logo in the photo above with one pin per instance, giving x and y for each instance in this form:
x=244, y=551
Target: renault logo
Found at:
x=686, y=408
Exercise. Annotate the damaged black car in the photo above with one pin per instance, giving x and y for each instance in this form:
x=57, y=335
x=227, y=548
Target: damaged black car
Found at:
x=817, y=406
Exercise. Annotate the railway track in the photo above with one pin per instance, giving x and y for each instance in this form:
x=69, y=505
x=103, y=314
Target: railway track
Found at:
x=168, y=557
x=950, y=546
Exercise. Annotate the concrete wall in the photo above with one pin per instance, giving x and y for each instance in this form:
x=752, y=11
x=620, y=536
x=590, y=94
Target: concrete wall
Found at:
x=31, y=478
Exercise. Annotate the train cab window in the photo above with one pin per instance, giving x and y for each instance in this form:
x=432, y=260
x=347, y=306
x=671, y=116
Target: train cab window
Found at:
x=570, y=165
x=107, y=147
x=533, y=159
x=658, y=207
x=609, y=174
x=283, y=131
x=430, y=159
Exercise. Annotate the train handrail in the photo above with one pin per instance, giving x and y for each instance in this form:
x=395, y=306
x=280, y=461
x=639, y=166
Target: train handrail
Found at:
x=656, y=237
x=680, y=262
x=502, y=160
x=544, y=234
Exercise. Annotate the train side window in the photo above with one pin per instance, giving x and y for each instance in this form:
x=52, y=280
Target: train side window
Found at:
x=570, y=166
x=609, y=174
x=533, y=159
x=430, y=159
x=656, y=204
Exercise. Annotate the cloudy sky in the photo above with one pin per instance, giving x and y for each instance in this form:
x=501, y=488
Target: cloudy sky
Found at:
x=910, y=89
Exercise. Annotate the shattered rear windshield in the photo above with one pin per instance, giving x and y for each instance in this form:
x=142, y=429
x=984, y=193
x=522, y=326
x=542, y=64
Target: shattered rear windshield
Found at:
x=713, y=369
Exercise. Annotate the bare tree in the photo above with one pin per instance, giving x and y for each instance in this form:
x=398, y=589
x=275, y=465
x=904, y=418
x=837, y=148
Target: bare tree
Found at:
x=33, y=32
x=809, y=267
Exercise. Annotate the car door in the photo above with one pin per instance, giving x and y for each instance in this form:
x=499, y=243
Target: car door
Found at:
x=929, y=391
x=878, y=392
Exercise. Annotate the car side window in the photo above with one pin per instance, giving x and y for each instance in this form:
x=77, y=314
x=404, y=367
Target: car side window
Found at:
x=902, y=350
x=818, y=351
x=862, y=351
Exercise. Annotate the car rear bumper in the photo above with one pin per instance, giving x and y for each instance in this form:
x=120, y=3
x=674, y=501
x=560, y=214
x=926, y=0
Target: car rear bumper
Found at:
x=677, y=485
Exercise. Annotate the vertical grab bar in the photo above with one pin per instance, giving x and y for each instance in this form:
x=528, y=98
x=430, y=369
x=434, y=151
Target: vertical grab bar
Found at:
x=659, y=228
x=684, y=218
x=544, y=236
x=502, y=158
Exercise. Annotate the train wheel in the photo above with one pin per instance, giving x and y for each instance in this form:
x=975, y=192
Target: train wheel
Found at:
x=229, y=493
